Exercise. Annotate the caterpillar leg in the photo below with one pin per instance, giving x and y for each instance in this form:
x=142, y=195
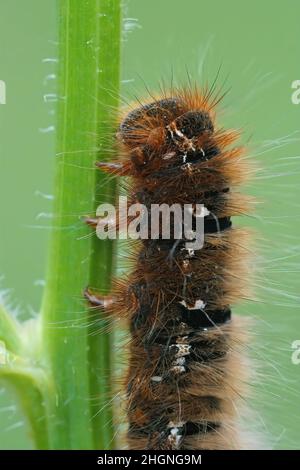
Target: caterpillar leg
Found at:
x=111, y=224
x=96, y=300
x=113, y=168
x=91, y=221
x=100, y=222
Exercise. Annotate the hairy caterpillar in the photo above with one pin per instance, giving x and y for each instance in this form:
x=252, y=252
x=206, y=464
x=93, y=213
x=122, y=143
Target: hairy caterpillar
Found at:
x=186, y=376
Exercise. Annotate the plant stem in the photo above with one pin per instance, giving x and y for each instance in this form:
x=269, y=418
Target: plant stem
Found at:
x=88, y=44
x=107, y=91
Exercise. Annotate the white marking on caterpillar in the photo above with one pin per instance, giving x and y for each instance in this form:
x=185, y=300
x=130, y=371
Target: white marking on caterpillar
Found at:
x=169, y=155
x=179, y=133
x=182, y=340
x=183, y=349
x=180, y=361
x=175, y=435
x=171, y=132
x=199, y=304
x=172, y=424
x=190, y=252
x=187, y=166
x=204, y=211
x=156, y=378
x=178, y=369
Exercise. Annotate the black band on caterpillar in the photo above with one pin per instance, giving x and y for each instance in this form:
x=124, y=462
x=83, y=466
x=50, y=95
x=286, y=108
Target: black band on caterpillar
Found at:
x=216, y=225
x=200, y=319
x=211, y=225
x=197, y=319
x=165, y=429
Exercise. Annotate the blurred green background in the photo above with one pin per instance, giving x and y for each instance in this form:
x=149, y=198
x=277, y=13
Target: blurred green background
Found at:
x=257, y=46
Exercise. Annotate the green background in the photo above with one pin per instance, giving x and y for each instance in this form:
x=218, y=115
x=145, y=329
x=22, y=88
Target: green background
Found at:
x=257, y=46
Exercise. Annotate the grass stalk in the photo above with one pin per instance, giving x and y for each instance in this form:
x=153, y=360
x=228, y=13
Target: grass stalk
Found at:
x=78, y=361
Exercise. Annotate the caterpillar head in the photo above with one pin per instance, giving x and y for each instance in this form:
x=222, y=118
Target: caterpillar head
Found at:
x=163, y=128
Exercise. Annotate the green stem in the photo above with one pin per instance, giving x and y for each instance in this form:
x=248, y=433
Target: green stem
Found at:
x=89, y=45
x=107, y=91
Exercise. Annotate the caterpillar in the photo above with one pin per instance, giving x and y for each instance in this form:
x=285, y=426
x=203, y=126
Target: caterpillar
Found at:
x=187, y=375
